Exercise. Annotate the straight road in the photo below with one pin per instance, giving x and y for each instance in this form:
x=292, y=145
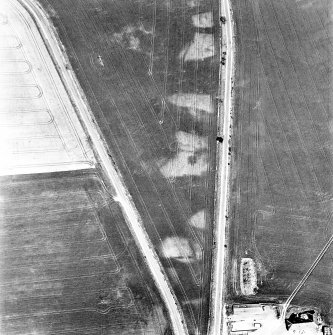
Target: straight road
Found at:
x=122, y=196
x=223, y=168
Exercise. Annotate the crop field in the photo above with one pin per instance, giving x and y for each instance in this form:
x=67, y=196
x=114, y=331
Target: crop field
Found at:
x=68, y=264
x=149, y=70
x=39, y=131
x=281, y=197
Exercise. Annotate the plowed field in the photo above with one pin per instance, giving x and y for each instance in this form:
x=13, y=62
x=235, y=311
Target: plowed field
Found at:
x=150, y=73
x=282, y=173
x=68, y=263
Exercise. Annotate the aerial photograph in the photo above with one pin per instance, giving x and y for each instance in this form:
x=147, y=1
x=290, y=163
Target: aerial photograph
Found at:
x=166, y=167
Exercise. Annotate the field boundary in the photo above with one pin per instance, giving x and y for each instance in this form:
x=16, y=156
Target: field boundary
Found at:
x=131, y=215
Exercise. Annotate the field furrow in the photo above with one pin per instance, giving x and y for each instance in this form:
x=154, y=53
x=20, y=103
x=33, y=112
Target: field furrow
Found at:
x=282, y=187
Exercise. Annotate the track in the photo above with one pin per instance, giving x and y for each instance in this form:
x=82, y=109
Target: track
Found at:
x=129, y=211
x=305, y=277
x=223, y=170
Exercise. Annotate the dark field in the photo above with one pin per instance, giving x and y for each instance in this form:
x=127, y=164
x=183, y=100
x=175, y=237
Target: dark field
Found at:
x=126, y=57
x=68, y=264
x=281, y=200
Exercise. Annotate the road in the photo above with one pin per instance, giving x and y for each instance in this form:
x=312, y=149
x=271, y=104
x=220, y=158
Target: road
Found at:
x=223, y=170
x=122, y=196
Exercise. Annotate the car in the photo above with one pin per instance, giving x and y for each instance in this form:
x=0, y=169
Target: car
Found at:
x=223, y=19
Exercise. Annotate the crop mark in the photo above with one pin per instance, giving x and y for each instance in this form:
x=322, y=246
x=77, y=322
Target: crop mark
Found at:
x=127, y=131
x=152, y=79
x=114, y=140
x=200, y=48
x=129, y=99
x=141, y=90
x=116, y=146
x=202, y=20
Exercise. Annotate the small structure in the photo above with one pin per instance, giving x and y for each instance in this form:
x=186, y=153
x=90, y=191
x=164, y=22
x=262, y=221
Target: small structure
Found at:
x=306, y=322
x=326, y=330
x=302, y=317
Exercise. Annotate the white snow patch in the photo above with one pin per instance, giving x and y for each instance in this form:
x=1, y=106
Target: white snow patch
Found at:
x=198, y=220
x=187, y=161
x=202, y=47
x=193, y=102
x=203, y=20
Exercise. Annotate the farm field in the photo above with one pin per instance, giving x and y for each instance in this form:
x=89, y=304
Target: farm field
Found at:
x=39, y=130
x=281, y=194
x=149, y=70
x=68, y=263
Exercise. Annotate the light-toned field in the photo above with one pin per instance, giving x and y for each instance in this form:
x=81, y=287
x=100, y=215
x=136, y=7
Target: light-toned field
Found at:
x=195, y=104
x=203, y=20
x=39, y=129
x=191, y=158
x=200, y=48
